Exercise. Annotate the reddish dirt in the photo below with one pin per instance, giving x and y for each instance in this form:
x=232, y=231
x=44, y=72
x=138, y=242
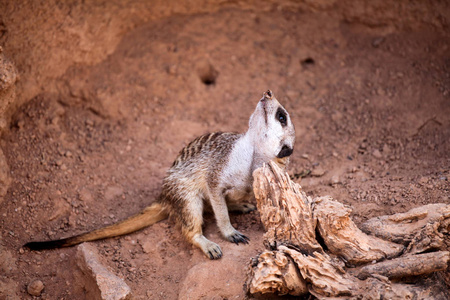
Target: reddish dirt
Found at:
x=367, y=87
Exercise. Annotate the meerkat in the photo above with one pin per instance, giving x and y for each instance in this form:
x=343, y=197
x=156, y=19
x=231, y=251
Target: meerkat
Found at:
x=214, y=169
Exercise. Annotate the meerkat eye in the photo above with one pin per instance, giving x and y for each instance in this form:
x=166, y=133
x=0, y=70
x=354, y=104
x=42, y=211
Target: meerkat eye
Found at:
x=281, y=116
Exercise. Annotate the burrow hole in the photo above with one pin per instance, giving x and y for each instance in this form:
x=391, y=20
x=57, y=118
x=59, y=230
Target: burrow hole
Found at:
x=207, y=73
x=309, y=61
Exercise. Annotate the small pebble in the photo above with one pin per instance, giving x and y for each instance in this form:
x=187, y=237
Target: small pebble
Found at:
x=35, y=288
x=423, y=180
x=377, y=154
x=318, y=172
x=335, y=179
x=172, y=70
x=377, y=42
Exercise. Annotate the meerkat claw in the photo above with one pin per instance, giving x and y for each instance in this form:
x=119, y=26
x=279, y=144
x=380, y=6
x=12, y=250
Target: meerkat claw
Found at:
x=248, y=207
x=238, y=237
x=245, y=208
x=212, y=250
x=242, y=208
x=215, y=255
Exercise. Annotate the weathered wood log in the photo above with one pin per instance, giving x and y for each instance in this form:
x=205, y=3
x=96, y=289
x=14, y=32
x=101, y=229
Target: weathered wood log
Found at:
x=287, y=271
x=421, y=229
x=408, y=265
x=275, y=272
x=285, y=209
x=326, y=276
x=296, y=262
x=343, y=238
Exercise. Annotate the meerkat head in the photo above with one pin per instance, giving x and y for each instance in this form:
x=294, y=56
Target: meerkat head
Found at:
x=271, y=129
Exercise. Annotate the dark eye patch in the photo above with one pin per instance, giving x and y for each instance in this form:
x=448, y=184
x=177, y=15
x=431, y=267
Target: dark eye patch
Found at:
x=281, y=116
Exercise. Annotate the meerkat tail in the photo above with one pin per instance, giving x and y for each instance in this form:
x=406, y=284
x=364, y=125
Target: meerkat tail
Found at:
x=148, y=216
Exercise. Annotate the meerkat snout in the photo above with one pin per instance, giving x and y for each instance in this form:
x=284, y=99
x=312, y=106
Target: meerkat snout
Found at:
x=285, y=151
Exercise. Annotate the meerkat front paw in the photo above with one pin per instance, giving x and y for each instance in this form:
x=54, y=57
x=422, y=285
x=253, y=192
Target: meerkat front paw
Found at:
x=242, y=208
x=247, y=207
x=211, y=249
x=237, y=237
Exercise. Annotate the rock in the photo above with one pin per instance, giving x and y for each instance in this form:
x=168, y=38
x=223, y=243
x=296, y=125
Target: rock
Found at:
x=8, y=78
x=5, y=180
x=7, y=261
x=100, y=283
x=85, y=195
x=335, y=180
x=113, y=191
x=172, y=69
x=377, y=154
x=423, y=180
x=35, y=288
x=376, y=42
x=213, y=278
x=318, y=172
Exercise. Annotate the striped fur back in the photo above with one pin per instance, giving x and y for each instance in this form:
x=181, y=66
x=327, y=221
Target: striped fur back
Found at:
x=208, y=145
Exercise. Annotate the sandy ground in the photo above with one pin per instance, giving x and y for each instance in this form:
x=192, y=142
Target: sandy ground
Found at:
x=367, y=87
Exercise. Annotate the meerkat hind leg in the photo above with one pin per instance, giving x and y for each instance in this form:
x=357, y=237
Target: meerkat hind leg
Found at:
x=191, y=226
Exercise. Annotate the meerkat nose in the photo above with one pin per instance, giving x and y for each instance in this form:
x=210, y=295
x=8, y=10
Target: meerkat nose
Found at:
x=267, y=95
x=285, y=151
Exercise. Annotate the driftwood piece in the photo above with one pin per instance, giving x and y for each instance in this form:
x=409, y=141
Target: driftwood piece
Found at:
x=327, y=277
x=421, y=229
x=408, y=265
x=343, y=238
x=279, y=275
x=313, y=245
x=286, y=211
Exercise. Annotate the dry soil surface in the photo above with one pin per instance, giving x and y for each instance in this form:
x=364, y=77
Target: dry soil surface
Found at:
x=368, y=90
